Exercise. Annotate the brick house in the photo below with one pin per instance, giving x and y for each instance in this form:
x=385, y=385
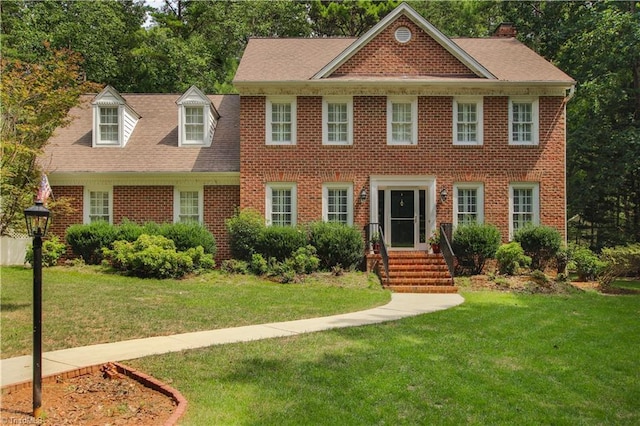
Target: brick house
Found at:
x=401, y=127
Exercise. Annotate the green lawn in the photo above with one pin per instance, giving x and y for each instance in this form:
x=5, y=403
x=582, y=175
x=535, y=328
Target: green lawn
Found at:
x=499, y=359
x=82, y=306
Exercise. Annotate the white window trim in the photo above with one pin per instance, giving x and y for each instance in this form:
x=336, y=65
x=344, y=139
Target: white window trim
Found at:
x=325, y=119
x=479, y=187
x=294, y=122
x=176, y=201
x=87, y=201
x=325, y=199
x=294, y=200
x=414, y=119
x=182, y=123
x=97, y=139
x=536, y=202
x=480, y=114
x=536, y=121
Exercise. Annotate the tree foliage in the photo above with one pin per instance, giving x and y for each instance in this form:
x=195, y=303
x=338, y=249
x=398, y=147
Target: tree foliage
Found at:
x=35, y=98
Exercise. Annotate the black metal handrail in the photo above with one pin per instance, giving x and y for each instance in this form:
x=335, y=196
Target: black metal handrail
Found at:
x=376, y=235
x=446, y=233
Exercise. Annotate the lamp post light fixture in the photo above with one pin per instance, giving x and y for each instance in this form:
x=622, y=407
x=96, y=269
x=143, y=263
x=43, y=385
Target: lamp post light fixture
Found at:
x=363, y=195
x=37, y=218
x=443, y=195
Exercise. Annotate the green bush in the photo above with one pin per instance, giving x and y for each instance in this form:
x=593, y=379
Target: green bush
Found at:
x=541, y=243
x=511, y=258
x=586, y=264
x=473, y=244
x=623, y=261
x=280, y=242
x=245, y=230
x=87, y=241
x=336, y=244
x=258, y=265
x=130, y=231
x=189, y=235
x=52, y=251
x=235, y=266
x=304, y=260
x=155, y=256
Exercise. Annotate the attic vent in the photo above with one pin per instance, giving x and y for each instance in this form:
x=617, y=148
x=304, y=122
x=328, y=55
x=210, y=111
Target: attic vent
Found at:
x=403, y=34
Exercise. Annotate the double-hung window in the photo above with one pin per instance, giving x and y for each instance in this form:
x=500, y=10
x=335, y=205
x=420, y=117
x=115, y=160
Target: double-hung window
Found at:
x=109, y=126
x=281, y=121
x=402, y=121
x=523, y=206
x=523, y=121
x=337, y=203
x=281, y=204
x=337, y=121
x=194, y=125
x=468, y=203
x=188, y=205
x=467, y=121
x=98, y=204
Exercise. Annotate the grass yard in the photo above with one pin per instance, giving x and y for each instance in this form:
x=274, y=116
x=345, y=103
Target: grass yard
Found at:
x=500, y=358
x=82, y=306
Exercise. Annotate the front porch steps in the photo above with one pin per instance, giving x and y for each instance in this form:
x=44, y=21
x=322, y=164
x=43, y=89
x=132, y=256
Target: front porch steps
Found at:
x=416, y=272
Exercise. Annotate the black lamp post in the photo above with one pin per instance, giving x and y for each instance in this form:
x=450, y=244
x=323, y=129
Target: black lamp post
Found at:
x=37, y=218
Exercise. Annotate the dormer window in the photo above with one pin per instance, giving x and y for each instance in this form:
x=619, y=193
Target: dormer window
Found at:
x=194, y=124
x=113, y=119
x=197, y=119
x=109, y=126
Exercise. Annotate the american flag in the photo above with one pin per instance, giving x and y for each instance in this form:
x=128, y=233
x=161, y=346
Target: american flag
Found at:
x=44, y=191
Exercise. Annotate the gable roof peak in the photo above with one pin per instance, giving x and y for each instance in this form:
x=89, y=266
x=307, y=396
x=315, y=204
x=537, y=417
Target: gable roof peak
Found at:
x=405, y=10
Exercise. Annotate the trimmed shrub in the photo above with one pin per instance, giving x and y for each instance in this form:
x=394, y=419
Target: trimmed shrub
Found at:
x=541, y=243
x=586, y=264
x=280, y=242
x=52, y=251
x=130, y=231
x=155, y=256
x=245, y=230
x=473, y=244
x=87, y=241
x=336, y=244
x=511, y=258
x=189, y=235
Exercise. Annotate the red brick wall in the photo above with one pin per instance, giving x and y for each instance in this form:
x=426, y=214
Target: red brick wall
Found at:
x=220, y=203
x=143, y=204
x=154, y=203
x=495, y=163
x=422, y=55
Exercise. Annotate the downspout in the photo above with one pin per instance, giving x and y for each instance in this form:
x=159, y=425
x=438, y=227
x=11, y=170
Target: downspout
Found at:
x=567, y=98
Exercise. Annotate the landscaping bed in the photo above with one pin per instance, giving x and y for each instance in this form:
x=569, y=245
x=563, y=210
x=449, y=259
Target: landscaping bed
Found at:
x=111, y=394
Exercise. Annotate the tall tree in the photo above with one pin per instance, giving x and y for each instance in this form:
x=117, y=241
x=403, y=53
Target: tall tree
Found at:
x=346, y=17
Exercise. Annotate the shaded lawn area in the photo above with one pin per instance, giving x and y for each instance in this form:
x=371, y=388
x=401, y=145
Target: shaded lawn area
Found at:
x=500, y=358
x=82, y=306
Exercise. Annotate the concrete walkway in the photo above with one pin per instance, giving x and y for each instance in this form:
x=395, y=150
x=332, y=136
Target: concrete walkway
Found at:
x=402, y=305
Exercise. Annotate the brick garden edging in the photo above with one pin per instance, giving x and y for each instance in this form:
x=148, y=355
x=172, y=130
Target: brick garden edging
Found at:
x=140, y=377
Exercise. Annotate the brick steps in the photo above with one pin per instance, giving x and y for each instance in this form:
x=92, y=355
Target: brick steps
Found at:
x=417, y=272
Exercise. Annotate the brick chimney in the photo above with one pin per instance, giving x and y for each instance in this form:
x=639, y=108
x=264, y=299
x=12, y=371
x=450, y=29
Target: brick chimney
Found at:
x=505, y=29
